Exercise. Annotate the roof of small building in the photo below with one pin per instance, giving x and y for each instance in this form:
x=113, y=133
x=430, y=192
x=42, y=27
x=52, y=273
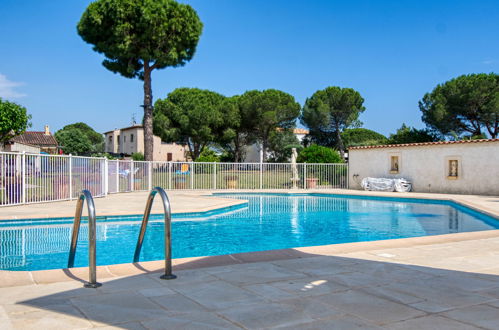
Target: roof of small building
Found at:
x=422, y=144
x=132, y=127
x=124, y=129
x=36, y=139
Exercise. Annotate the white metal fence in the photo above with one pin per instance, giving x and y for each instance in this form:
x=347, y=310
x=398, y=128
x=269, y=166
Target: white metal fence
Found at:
x=34, y=178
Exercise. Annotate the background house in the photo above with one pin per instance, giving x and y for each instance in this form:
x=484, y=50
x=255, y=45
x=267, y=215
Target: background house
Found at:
x=33, y=142
x=253, y=153
x=129, y=140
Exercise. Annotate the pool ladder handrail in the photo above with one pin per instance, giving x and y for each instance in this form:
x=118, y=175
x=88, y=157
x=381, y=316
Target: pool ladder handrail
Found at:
x=92, y=273
x=168, y=229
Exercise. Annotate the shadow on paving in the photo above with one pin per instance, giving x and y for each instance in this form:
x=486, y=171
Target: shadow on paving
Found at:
x=307, y=291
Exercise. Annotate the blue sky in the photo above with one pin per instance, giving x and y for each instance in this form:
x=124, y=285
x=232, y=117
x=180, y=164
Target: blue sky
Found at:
x=392, y=52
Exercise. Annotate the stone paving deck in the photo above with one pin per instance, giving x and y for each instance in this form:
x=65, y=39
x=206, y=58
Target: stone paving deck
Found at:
x=403, y=285
x=121, y=204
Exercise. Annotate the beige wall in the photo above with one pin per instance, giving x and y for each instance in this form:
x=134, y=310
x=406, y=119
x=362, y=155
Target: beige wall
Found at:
x=19, y=147
x=161, y=151
x=111, y=145
x=427, y=167
x=132, y=140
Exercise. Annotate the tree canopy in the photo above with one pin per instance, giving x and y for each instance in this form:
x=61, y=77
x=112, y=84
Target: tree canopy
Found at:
x=86, y=141
x=95, y=137
x=330, y=111
x=268, y=110
x=139, y=36
x=318, y=154
x=194, y=117
x=406, y=134
x=244, y=126
x=353, y=137
x=74, y=141
x=281, y=143
x=14, y=120
x=468, y=104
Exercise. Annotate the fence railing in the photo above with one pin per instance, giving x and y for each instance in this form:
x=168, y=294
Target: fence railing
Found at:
x=34, y=178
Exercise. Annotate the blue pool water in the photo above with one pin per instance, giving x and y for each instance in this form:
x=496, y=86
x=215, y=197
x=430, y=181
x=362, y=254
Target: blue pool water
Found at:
x=268, y=221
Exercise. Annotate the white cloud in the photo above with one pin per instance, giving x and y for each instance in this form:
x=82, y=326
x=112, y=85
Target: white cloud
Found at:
x=488, y=62
x=8, y=88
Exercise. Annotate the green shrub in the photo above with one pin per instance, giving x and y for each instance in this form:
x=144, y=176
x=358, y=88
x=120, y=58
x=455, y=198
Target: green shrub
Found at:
x=319, y=154
x=208, y=156
x=138, y=156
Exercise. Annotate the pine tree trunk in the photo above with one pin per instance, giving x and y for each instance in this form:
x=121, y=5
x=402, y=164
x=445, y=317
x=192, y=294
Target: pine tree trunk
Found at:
x=148, y=134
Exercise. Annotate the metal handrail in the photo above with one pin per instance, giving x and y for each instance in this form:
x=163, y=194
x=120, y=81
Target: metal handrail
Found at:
x=92, y=274
x=168, y=229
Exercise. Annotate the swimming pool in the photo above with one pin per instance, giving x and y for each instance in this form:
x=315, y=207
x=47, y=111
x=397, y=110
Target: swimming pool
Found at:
x=268, y=221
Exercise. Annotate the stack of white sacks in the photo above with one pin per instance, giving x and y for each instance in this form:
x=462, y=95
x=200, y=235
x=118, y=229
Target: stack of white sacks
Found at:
x=385, y=184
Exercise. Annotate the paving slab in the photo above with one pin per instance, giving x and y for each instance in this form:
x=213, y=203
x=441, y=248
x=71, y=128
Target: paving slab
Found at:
x=217, y=295
x=337, y=323
x=481, y=316
x=433, y=322
x=369, y=307
x=114, y=308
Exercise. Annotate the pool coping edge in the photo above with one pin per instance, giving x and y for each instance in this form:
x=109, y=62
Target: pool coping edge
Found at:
x=40, y=277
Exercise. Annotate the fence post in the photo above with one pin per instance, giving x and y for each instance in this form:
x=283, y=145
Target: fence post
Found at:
x=261, y=175
x=70, y=176
x=348, y=176
x=106, y=178
x=149, y=171
x=214, y=175
x=23, y=177
x=132, y=175
x=117, y=176
x=304, y=175
x=170, y=175
x=192, y=175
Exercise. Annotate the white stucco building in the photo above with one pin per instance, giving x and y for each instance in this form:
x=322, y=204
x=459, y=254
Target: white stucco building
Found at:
x=461, y=167
x=129, y=140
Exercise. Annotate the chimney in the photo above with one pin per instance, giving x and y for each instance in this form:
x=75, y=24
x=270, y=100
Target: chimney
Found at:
x=47, y=130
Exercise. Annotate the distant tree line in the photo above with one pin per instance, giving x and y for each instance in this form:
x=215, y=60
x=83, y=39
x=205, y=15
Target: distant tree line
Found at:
x=219, y=128
x=466, y=107
x=166, y=33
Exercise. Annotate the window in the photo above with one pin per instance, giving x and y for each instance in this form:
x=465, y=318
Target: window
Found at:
x=394, y=164
x=169, y=157
x=124, y=139
x=110, y=139
x=131, y=137
x=118, y=138
x=453, y=169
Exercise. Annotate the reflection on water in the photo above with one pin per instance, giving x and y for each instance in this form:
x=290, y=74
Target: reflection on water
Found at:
x=268, y=222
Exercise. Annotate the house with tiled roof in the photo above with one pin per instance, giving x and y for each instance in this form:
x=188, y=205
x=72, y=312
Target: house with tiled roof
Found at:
x=33, y=142
x=129, y=140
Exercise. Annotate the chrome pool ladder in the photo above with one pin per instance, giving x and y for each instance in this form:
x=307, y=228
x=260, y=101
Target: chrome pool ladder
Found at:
x=85, y=195
x=168, y=230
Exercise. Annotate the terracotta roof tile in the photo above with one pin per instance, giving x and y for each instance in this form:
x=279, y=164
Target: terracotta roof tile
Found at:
x=422, y=144
x=295, y=130
x=300, y=131
x=37, y=139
